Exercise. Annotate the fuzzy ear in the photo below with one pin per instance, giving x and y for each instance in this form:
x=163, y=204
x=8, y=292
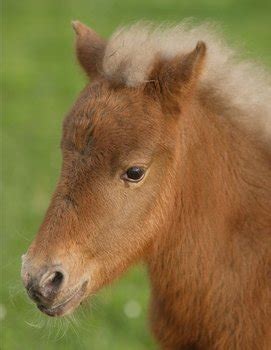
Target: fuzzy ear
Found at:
x=89, y=49
x=174, y=80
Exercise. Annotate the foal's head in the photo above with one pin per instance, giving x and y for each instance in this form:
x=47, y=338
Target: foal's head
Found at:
x=120, y=154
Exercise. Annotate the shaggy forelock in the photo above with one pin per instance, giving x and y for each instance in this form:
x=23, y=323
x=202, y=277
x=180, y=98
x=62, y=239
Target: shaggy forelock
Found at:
x=131, y=51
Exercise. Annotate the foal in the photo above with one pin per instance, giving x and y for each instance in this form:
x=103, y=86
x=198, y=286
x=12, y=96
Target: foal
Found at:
x=166, y=159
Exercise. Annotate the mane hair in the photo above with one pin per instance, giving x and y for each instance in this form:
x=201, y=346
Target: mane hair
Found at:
x=243, y=85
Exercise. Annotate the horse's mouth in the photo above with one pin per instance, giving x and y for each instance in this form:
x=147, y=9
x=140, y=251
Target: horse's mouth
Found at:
x=66, y=306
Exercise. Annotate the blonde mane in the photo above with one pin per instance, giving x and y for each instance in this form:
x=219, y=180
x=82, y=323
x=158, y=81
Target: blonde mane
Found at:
x=246, y=87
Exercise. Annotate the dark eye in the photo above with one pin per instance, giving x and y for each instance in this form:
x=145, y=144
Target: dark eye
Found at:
x=134, y=174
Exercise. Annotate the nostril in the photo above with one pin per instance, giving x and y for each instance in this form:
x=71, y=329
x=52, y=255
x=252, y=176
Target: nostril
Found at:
x=52, y=283
x=57, y=279
x=44, y=288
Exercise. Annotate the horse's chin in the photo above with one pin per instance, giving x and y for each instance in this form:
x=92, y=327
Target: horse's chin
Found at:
x=68, y=305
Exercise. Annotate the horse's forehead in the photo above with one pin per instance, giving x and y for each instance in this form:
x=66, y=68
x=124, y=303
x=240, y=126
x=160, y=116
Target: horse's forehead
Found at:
x=107, y=115
x=102, y=107
x=98, y=101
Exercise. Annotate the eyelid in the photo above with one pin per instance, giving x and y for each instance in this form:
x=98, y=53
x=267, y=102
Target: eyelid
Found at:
x=141, y=164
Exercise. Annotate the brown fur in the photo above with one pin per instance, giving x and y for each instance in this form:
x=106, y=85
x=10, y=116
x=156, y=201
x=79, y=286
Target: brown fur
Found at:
x=200, y=219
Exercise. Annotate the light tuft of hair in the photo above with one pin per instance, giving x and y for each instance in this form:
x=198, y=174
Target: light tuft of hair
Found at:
x=131, y=51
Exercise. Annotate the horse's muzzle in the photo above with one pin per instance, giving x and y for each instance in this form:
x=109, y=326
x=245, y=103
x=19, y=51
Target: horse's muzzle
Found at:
x=43, y=285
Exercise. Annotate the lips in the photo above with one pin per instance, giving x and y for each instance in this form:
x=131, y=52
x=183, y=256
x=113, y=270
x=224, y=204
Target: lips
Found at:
x=66, y=306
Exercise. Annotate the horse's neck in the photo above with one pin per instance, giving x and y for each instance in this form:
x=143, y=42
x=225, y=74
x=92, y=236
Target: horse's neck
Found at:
x=222, y=203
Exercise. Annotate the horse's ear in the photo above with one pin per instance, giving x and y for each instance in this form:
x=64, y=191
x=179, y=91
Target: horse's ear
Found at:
x=174, y=80
x=89, y=48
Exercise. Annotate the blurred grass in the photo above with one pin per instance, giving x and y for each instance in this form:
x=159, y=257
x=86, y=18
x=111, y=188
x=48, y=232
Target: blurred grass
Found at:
x=39, y=83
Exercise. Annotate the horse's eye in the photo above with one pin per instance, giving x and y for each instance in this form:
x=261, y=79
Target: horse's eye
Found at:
x=134, y=174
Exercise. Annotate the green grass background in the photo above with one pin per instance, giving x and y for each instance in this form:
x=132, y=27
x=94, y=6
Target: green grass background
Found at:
x=39, y=83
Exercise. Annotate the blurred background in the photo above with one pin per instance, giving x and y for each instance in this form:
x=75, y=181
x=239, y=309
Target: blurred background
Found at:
x=40, y=81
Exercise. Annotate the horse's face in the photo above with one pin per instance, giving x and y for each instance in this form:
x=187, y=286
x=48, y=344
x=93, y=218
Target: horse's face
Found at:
x=116, y=163
x=120, y=152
